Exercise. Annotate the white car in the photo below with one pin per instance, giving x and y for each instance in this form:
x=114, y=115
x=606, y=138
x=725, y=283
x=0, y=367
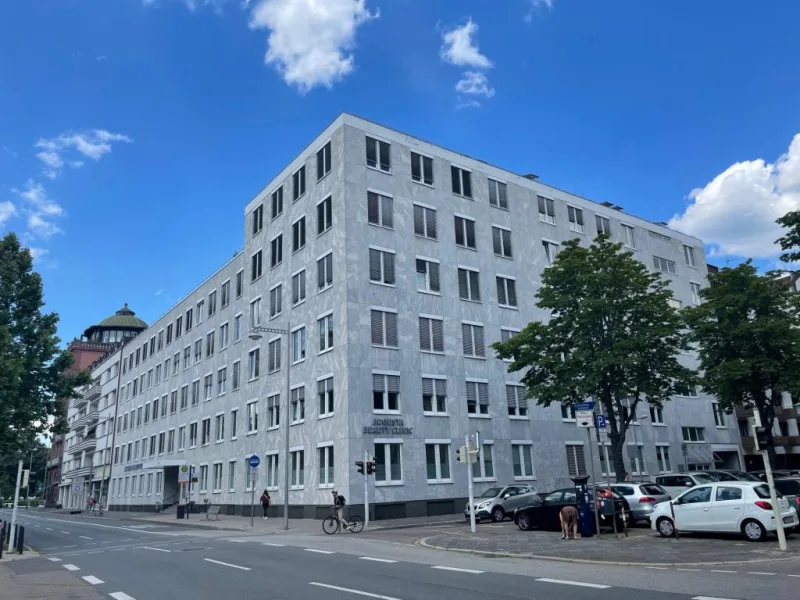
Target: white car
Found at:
x=725, y=507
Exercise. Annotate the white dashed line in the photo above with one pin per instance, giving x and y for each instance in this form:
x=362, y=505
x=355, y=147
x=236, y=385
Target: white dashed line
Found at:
x=383, y=560
x=237, y=541
x=71, y=567
x=224, y=564
x=49, y=528
x=596, y=586
x=720, y=571
x=710, y=598
x=759, y=573
x=459, y=570
x=121, y=596
x=156, y=549
x=351, y=591
x=54, y=559
x=794, y=575
x=317, y=551
x=270, y=544
x=92, y=579
x=108, y=542
x=693, y=570
x=67, y=532
x=71, y=546
x=83, y=537
x=657, y=568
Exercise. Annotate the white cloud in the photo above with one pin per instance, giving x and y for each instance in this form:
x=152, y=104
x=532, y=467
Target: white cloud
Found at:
x=38, y=253
x=159, y=292
x=7, y=210
x=40, y=227
x=474, y=83
x=310, y=41
x=10, y=152
x=458, y=48
x=93, y=144
x=35, y=194
x=735, y=213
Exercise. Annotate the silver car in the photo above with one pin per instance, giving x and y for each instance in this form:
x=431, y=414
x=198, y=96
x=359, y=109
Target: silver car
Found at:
x=680, y=482
x=641, y=497
x=499, y=502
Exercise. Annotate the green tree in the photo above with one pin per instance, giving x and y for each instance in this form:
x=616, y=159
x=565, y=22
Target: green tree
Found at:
x=32, y=366
x=790, y=242
x=747, y=330
x=611, y=335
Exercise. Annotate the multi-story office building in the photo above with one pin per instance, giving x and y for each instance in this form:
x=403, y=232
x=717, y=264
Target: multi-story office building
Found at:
x=394, y=264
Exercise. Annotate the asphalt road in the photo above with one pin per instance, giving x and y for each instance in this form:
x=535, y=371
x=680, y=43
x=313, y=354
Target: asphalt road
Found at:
x=125, y=560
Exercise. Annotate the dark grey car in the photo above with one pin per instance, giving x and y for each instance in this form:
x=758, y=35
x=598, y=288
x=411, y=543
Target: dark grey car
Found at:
x=641, y=497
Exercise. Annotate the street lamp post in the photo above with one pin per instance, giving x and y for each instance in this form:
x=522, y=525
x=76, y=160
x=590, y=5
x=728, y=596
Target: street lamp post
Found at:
x=255, y=334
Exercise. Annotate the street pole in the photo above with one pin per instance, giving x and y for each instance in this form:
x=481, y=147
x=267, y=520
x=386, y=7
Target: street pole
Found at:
x=366, y=489
x=14, y=511
x=286, y=428
x=252, y=491
x=113, y=430
x=469, y=483
x=28, y=489
x=595, y=508
x=773, y=496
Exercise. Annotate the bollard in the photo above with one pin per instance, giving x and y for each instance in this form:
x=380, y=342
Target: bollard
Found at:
x=21, y=539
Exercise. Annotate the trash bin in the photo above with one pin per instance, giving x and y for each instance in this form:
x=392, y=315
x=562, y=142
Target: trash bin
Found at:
x=585, y=512
x=181, y=512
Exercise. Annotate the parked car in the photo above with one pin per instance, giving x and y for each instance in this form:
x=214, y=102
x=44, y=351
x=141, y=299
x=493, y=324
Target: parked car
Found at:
x=776, y=474
x=731, y=475
x=790, y=488
x=678, y=483
x=724, y=507
x=542, y=512
x=641, y=497
x=499, y=502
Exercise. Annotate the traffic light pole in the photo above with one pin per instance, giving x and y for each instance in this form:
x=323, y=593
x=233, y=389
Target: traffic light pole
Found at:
x=366, y=489
x=773, y=496
x=469, y=483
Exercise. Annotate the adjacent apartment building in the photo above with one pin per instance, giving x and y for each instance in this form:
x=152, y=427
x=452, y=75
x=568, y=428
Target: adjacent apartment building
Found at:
x=392, y=265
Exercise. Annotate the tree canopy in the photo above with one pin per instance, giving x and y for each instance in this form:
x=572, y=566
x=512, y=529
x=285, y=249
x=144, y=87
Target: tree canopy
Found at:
x=790, y=242
x=612, y=335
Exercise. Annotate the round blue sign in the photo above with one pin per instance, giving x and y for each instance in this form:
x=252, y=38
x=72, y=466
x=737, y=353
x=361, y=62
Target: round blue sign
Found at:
x=254, y=461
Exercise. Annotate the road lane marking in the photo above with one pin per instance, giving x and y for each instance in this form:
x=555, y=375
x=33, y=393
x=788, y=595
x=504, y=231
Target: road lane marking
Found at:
x=710, y=598
x=92, y=579
x=108, y=542
x=156, y=549
x=459, y=570
x=317, y=551
x=224, y=564
x=695, y=570
x=71, y=567
x=271, y=544
x=67, y=532
x=596, y=586
x=54, y=559
x=131, y=529
x=759, y=573
x=49, y=528
x=70, y=546
x=720, y=571
x=794, y=575
x=121, y=596
x=83, y=537
x=657, y=568
x=350, y=591
x=236, y=540
x=383, y=560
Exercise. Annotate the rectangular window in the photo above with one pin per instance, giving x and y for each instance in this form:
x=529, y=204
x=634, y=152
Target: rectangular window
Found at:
x=277, y=202
x=225, y=294
x=231, y=475
x=239, y=284
x=274, y=355
x=427, y=275
x=217, y=478
x=664, y=265
x=252, y=417
x=325, y=271
x=198, y=351
x=297, y=474
x=465, y=232
x=325, y=396
x=234, y=423
x=551, y=250
x=299, y=183
x=719, y=414
x=434, y=396
x=196, y=392
x=385, y=392
x=222, y=381
x=298, y=404
x=384, y=328
x=431, y=334
x=298, y=287
x=176, y=363
x=275, y=301
x=325, y=461
x=469, y=285
x=380, y=210
x=209, y=343
x=170, y=441
x=629, y=235
x=219, y=428
x=684, y=389
x=272, y=471
x=662, y=456
x=273, y=411
x=656, y=415
x=160, y=340
x=255, y=313
x=187, y=356
x=477, y=398
x=576, y=462
x=182, y=437
x=254, y=358
x=472, y=340
x=421, y=168
x=276, y=251
x=437, y=463
x=203, y=479
x=192, y=435
x=547, y=210
x=298, y=345
x=208, y=387
x=258, y=219
x=169, y=337
x=323, y=161
x=575, y=216
x=517, y=402
x=325, y=333
x=299, y=234
x=155, y=410
x=695, y=287
x=324, y=215
x=236, y=375
x=498, y=195
x=603, y=225
x=223, y=336
x=378, y=155
x=506, y=292
x=501, y=241
x=462, y=181
x=381, y=266
x=688, y=255
x=636, y=459
x=693, y=434
x=162, y=442
x=522, y=461
x=255, y=266
x=388, y=462
x=425, y=222
x=184, y=397
x=483, y=468
x=237, y=328
x=173, y=402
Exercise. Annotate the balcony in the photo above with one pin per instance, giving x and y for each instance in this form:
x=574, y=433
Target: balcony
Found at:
x=91, y=394
x=79, y=472
x=781, y=414
x=86, y=444
x=90, y=418
x=53, y=462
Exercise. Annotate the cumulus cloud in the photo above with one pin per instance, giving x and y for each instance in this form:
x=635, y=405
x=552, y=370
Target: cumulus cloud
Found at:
x=36, y=196
x=7, y=210
x=735, y=212
x=38, y=253
x=459, y=49
x=93, y=144
x=38, y=226
x=310, y=42
x=474, y=83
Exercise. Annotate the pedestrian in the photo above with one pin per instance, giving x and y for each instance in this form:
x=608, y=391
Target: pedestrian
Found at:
x=569, y=520
x=265, y=502
x=91, y=504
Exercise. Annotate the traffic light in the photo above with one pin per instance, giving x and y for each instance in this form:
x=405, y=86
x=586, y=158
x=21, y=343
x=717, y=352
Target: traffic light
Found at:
x=360, y=465
x=462, y=456
x=370, y=468
x=762, y=438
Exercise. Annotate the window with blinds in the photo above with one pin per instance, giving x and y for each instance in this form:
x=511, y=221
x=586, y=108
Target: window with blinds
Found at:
x=381, y=266
x=384, y=328
x=498, y=194
x=469, y=285
x=517, y=402
x=298, y=401
x=299, y=287
x=431, y=334
x=472, y=340
x=506, y=291
x=576, y=462
x=434, y=395
x=385, y=392
x=273, y=411
x=501, y=242
x=425, y=222
x=465, y=232
x=274, y=355
x=325, y=396
x=477, y=398
x=380, y=210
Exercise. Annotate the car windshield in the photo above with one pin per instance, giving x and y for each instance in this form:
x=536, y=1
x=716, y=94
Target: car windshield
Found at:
x=762, y=491
x=703, y=478
x=491, y=492
x=745, y=476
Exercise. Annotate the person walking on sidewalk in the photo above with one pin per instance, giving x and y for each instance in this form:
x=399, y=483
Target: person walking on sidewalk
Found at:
x=265, y=502
x=569, y=520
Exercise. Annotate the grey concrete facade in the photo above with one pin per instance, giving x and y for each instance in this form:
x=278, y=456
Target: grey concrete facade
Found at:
x=533, y=448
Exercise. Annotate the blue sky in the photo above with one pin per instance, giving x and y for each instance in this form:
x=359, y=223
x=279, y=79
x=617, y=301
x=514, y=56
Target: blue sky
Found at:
x=133, y=132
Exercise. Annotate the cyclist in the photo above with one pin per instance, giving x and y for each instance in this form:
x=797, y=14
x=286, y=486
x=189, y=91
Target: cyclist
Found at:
x=339, y=503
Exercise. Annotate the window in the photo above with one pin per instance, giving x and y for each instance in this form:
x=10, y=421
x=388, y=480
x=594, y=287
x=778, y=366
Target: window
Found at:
x=169, y=340
x=208, y=387
x=695, y=287
x=421, y=168
x=325, y=271
x=217, y=478
x=434, y=396
x=688, y=255
x=522, y=460
x=719, y=415
x=298, y=469
x=195, y=392
x=274, y=355
x=184, y=397
x=258, y=219
x=223, y=336
x=236, y=375
x=234, y=423
x=298, y=404
x=255, y=313
x=299, y=183
x=547, y=210
x=325, y=461
x=498, y=196
x=469, y=285
x=551, y=250
x=477, y=398
x=231, y=475
x=629, y=235
x=462, y=181
x=603, y=225
x=273, y=411
x=323, y=161
x=298, y=287
x=298, y=345
x=325, y=396
x=192, y=435
x=237, y=328
x=384, y=328
x=636, y=459
x=252, y=416
x=205, y=431
x=189, y=315
x=425, y=221
x=160, y=340
x=685, y=389
x=575, y=216
x=277, y=202
x=324, y=215
x=501, y=241
x=299, y=234
x=483, y=468
x=506, y=292
x=209, y=343
x=219, y=428
x=385, y=392
x=662, y=456
x=517, y=402
x=225, y=295
x=431, y=334
x=187, y=355
x=380, y=210
x=203, y=479
x=222, y=381
x=255, y=266
x=173, y=402
x=381, y=266
x=465, y=232
x=326, y=333
x=146, y=416
x=254, y=359
x=176, y=363
x=437, y=462
x=664, y=265
x=276, y=251
x=378, y=155
x=576, y=462
x=272, y=471
x=656, y=415
x=427, y=275
x=388, y=462
x=275, y=301
x=155, y=410
x=693, y=434
x=472, y=340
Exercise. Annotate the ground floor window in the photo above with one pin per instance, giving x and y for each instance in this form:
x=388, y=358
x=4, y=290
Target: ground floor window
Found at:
x=388, y=462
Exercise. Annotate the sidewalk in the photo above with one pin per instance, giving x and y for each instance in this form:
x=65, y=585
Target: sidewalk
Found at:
x=37, y=579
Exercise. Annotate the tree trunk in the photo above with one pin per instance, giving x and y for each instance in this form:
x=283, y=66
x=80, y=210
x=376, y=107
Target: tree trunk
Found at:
x=617, y=443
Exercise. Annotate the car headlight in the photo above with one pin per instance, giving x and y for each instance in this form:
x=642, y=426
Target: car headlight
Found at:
x=484, y=504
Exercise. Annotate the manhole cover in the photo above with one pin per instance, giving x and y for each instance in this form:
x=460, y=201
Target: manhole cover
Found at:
x=194, y=549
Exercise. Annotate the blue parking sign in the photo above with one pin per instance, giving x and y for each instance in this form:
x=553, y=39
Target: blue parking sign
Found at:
x=601, y=421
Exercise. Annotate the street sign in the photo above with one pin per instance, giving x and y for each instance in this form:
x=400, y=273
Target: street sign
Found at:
x=253, y=476
x=601, y=421
x=183, y=474
x=584, y=418
x=254, y=461
x=588, y=405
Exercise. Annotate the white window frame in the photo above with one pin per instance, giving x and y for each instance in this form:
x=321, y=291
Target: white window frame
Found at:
x=695, y=289
x=509, y=282
x=299, y=334
x=385, y=206
x=434, y=398
x=662, y=460
x=386, y=442
x=528, y=446
x=464, y=228
x=478, y=414
x=480, y=465
x=474, y=295
x=301, y=280
x=324, y=414
x=272, y=470
x=326, y=321
x=429, y=227
x=505, y=252
x=464, y=174
x=382, y=254
x=438, y=444
x=326, y=455
x=429, y=325
x=297, y=483
x=275, y=301
x=301, y=403
x=251, y=417
x=549, y=204
x=551, y=250
x=689, y=256
x=428, y=289
x=323, y=259
x=629, y=235
x=575, y=218
x=385, y=403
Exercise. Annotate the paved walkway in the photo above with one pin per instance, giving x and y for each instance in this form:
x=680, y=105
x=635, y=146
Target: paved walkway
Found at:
x=642, y=547
x=41, y=580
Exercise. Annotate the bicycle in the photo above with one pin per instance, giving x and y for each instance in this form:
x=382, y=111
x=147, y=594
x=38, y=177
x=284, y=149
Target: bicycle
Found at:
x=332, y=524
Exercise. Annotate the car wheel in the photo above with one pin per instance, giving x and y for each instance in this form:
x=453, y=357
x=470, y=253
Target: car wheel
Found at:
x=498, y=514
x=754, y=531
x=665, y=527
x=524, y=522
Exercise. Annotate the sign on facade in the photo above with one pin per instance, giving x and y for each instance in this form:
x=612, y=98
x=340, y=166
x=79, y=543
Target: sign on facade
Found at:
x=183, y=474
